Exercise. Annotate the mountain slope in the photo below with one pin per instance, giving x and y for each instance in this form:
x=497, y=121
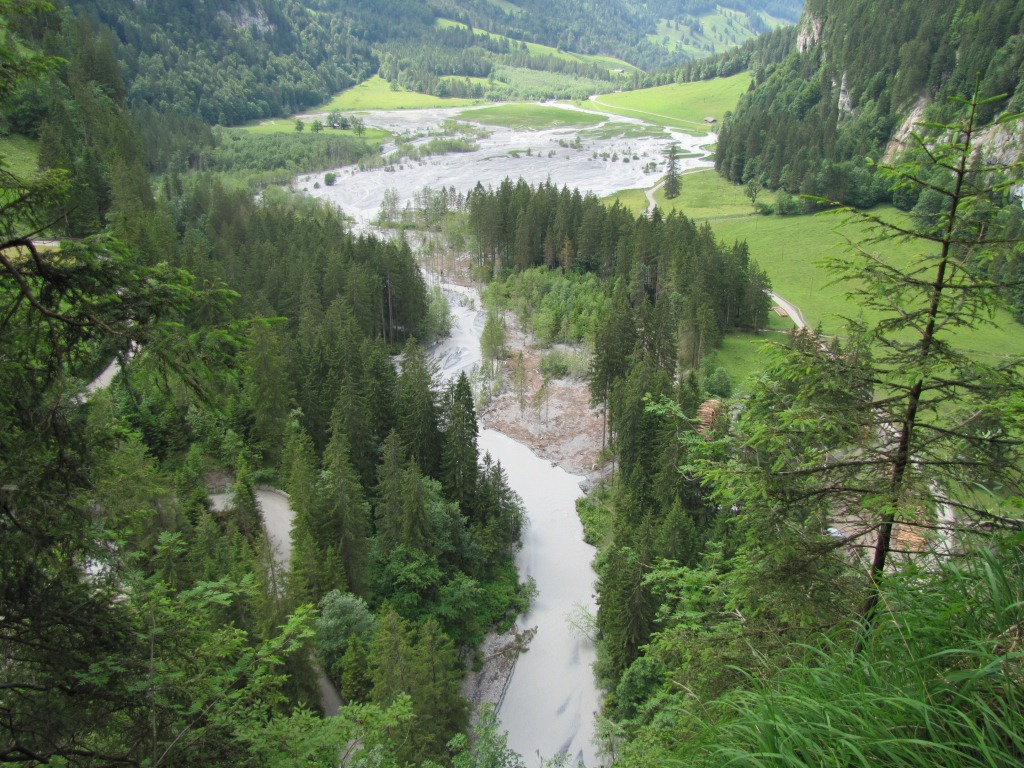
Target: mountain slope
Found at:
x=857, y=71
x=236, y=61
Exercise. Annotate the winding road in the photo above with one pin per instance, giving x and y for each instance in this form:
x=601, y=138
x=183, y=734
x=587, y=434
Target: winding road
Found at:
x=794, y=314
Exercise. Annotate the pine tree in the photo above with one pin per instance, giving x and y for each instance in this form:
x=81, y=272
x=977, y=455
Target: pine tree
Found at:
x=417, y=410
x=266, y=388
x=245, y=510
x=672, y=171
x=343, y=516
x=388, y=505
x=460, y=457
x=903, y=421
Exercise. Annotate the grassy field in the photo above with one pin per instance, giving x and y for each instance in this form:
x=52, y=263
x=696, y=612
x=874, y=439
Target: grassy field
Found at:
x=706, y=195
x=531, y=116
x=376, y=93
x=287, y=126
x=633, y=199
x=536, y=49
x=723, y=29
x=20, y=154
x=680, y=105
x=790, y=249
x=741, y=353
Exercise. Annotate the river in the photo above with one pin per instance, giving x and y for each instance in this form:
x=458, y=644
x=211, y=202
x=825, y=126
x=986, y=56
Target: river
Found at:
x=535, y=155
x=551, y=701
x=550, y=705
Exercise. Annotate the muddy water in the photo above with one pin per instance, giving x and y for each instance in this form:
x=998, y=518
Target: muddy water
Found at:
x=551, y=700
x=536, y=156
x=550, y=705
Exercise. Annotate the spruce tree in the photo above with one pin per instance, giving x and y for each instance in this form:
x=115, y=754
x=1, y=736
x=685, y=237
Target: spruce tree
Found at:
x=343, y=524
x=417, y=410
x=906, y=424
x=672, y=171
x=460, y=457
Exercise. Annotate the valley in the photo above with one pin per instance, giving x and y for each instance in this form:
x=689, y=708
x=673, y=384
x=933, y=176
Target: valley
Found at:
x=465, y=383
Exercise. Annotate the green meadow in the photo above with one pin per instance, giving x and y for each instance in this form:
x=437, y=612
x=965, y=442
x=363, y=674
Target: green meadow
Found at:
x=287, y=126
x=791, y=250
x=531, y=117
x=742, y=353
x=679, y=105
x=536, y=49
x=633, y=199
x=718, y=31
x=20, y=154
x=376, y=93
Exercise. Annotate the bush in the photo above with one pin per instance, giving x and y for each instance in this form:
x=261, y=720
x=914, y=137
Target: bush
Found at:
x=561, y=364
x=330, y=178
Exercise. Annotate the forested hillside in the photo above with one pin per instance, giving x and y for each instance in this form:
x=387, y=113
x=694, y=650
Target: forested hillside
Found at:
x=823, y=572
x=856, y=72
x=230, y=62
x=142, y=624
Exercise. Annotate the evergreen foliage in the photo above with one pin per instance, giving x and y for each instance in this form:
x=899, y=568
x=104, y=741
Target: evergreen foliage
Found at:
x=799, y=130
x=141, y=625
x=829, y=534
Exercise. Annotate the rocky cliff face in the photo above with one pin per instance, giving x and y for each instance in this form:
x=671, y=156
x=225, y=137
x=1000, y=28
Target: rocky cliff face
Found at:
x=809, y=34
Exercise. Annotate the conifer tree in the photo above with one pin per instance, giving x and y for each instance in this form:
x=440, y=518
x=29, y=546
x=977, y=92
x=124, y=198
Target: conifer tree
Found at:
x=672, y=171
x=245, y=507
x=904, y=420
x=460, y=457
x=388, y=504
x=417, y=410
x=343, y=516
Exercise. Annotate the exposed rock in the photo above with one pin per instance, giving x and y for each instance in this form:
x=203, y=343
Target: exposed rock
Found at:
x=558, y=425
x=898, y=143
x=845, y=103
x=809, y=34
x=253, y=20
x=1001, y=144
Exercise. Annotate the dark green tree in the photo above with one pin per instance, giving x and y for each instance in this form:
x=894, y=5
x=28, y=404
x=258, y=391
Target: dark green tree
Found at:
x=343, y=516
x=460, y=457
x=672, y=171
x=417, y=410
x=613, y=347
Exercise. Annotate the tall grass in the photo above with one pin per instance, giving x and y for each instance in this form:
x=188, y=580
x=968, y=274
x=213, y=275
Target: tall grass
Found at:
x=940, y=683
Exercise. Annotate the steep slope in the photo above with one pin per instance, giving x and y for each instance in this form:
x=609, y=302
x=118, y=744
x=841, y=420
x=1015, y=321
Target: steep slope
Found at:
x=236, y=61
x=859, y=68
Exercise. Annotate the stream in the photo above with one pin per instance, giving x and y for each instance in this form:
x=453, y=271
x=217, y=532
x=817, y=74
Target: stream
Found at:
x=550, y=704
x=550, y=154
x=551, y=700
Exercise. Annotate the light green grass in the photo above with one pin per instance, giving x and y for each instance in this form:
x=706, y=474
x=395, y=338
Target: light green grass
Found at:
x=679, y=105
x=621, y=130
x=790, y=249
x=634, y=200
x=706, y=195
x=722, y=37
x=506, y=6
x=20, y=154
x=376, y=93
x=741, y=352
x=536, y=49
x=287, y=126
x=531, y=116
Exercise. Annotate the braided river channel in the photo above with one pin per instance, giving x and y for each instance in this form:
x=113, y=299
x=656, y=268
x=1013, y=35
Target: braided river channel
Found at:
x=550, y=703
